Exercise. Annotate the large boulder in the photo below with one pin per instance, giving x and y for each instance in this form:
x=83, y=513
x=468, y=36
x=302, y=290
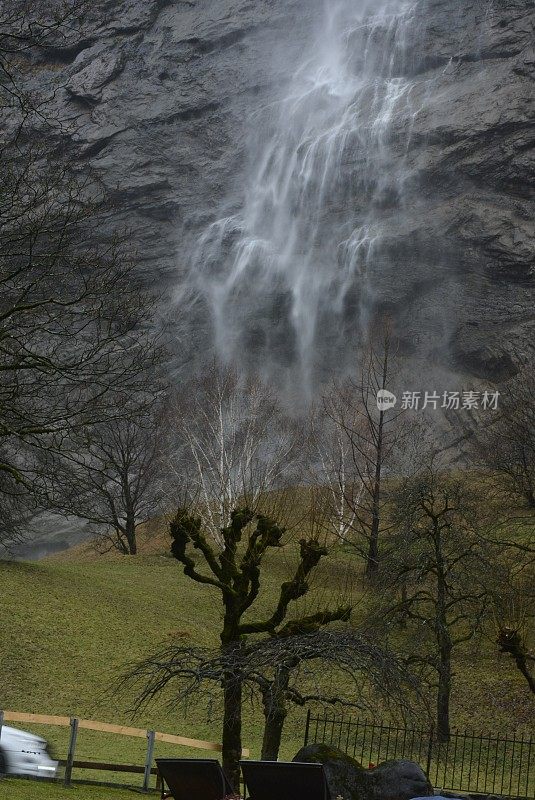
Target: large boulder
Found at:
x=391, y=780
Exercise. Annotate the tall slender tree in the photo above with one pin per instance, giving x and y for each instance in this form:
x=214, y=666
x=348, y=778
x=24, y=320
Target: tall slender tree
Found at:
x=369, y=439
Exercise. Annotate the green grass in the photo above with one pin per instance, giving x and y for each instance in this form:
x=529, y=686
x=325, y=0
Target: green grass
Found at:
x=18, y=789
x=70, y=624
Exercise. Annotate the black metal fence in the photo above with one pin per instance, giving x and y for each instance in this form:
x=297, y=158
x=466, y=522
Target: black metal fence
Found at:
x=467, y=762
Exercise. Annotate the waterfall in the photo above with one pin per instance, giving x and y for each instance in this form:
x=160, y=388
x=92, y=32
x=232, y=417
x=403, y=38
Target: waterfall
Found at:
x=291, y=278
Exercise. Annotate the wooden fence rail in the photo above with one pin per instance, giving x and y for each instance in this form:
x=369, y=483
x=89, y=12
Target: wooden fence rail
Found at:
x=76, y=725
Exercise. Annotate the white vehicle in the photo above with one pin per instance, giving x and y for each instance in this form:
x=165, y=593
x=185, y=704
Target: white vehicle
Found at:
x=23, y=753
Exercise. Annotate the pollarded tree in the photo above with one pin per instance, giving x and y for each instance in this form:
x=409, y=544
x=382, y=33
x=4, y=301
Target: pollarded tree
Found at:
x=234, y=570
x=514, y=612
x=512, y=642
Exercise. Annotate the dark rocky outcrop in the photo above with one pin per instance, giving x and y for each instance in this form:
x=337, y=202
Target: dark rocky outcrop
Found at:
x=392, y=780
x=153, y=94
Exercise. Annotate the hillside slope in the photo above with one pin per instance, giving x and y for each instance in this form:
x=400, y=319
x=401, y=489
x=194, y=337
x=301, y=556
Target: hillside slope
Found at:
x=70, y=624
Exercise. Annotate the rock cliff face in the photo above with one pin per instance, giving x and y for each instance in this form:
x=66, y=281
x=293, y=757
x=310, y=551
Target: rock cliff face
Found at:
x=156, y=97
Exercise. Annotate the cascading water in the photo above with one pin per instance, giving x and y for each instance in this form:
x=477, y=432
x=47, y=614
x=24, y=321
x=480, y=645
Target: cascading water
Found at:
x=291, y=278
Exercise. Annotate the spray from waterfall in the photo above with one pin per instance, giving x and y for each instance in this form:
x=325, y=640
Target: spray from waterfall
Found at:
x=291, y=280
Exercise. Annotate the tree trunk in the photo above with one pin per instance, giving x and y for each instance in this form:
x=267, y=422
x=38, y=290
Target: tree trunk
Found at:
x=443, y=696
x=271, y=741
x=372, y=563
x=130, y=526
x=130, y=531
x=444, y=642
x=232, y=745
x=523, y=667
x=275, y=712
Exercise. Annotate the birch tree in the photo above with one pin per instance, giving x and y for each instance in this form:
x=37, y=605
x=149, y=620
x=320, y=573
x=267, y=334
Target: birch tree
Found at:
x=229, y=444
x=330, y=465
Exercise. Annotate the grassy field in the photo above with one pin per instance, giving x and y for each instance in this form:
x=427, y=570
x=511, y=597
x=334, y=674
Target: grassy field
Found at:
x=71, y=622
x=18, y=789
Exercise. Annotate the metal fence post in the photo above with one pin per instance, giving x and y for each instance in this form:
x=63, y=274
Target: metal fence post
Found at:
x=307, y=727
x=457, y=765
x=72, y=749
x=151, y=737
x=1, y=722
x=430, y=750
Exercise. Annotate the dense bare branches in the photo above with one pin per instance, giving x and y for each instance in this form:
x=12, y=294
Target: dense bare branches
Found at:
x=230, y=444
x=112, y=477
x=506, y=446
x=185, y=670
x=74, y=322
x=366, y=438
x=442, y=570
x=26, y=28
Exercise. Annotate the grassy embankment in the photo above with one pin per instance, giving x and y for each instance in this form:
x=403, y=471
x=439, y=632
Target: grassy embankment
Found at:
x=71, y=622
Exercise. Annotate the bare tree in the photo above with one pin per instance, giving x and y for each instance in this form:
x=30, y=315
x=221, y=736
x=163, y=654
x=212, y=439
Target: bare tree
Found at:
x=514, y=611
x=296, y=669
x=229, y=444
x=74, y=321
x=234, y=570
x=368, y=438
x=512, y=642
x=329, y=464
x=112, y=477
x=445, y=566
x=505, y=445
